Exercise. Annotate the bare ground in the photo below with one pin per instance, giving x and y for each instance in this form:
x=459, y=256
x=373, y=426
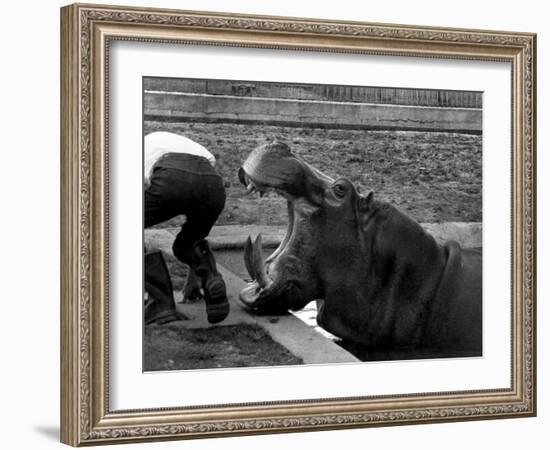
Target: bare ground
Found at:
x=173, y=347
x=434, y=177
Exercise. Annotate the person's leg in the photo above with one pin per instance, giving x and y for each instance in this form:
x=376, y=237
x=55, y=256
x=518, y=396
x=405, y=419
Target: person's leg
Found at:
x=160, y=309
x=201, y=215
x=158, y=207
x=192, y=248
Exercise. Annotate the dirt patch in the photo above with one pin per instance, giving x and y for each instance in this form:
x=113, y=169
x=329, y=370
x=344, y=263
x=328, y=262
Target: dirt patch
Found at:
x=433, y=177
x=173, y=347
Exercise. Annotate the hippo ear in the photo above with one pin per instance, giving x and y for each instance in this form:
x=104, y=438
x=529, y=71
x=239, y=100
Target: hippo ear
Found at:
x=363, y=203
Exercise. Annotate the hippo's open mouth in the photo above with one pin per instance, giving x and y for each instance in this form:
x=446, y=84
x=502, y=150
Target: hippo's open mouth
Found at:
x=284, y=281
x=265, y=295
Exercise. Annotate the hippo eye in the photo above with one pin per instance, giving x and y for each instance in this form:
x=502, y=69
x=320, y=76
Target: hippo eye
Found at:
x=339, y=190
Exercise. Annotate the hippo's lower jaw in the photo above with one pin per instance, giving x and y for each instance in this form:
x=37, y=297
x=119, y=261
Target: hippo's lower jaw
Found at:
x=267, y=295
x=263, y=295
x=271, y=300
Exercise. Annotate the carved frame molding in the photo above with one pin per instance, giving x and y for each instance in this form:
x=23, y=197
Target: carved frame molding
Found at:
x=86, y=32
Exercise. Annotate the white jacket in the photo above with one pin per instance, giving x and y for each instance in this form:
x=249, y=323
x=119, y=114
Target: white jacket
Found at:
x=159, y=143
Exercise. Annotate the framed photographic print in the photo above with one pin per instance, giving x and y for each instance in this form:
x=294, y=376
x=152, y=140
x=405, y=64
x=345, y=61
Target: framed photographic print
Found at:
x=276, y=224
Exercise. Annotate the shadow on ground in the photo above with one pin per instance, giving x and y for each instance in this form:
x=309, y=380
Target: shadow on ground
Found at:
x=50, y=432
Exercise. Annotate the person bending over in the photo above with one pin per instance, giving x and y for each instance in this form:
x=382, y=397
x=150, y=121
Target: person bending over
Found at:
x=180, y=178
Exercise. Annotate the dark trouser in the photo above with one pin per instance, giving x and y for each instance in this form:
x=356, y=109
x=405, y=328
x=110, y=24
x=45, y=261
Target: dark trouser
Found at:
x=180, y=184
x=184, y=184
x=160, y=308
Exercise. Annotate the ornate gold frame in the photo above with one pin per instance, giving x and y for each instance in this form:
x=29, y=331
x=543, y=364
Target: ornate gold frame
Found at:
x=86, y=31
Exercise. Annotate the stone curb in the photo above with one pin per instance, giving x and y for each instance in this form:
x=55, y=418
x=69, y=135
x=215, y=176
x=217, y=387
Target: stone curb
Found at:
x=233, y=237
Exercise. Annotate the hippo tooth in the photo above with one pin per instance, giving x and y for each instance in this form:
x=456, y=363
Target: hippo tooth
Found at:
x=250, y=188
x=258, y=262
x=248, y=260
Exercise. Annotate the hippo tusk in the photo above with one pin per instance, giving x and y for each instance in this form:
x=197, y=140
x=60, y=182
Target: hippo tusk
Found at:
x=248, y=258
x=258, y=262
x=254, y=262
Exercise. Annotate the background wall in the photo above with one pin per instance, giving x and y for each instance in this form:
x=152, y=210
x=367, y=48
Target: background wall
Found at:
x=331, y=106
x=29, y=227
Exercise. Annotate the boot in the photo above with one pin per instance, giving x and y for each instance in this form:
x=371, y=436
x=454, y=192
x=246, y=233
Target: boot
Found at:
x=204, y=265
x=160, y=308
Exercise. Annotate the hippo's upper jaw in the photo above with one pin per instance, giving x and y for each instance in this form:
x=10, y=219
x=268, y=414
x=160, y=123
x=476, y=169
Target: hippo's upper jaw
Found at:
x=286, y=280
x=274, y=167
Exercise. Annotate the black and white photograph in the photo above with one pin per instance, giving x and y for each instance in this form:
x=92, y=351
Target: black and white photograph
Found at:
x=291, y=223
x=276, y=222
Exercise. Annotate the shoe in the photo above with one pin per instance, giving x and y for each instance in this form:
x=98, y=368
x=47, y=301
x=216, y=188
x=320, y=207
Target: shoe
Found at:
x=161, y=317
x=213, y=286
x=217, y=305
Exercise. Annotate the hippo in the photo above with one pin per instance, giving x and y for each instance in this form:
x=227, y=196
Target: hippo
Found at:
x=379, y=279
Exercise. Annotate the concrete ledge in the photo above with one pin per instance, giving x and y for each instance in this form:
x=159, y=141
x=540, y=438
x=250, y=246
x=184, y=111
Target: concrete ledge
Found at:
x=180, y=106
x=467, y=234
